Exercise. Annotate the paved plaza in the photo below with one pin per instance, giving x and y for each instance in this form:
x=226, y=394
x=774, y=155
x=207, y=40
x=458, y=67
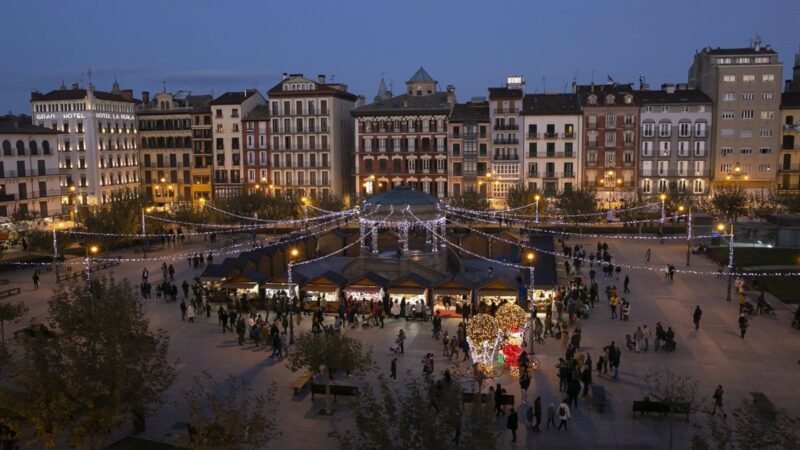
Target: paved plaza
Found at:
x=766, y=361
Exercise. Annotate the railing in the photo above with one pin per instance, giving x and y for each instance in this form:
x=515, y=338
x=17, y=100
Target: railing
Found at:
x=674, y=173
x=506, y=158
x=549, y=135
x=506, y=110
x=506, y=127
x=552, y=155
x=29, y=173
x=568, y=135
x=627, y=164
x=627, y=125
x=794, y=127
x=788, y=169
x=506, y=141
x=533, y=135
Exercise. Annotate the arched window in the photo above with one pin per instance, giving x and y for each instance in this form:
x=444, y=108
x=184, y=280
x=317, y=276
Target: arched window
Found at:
x=6, y=148
x=20, y=147
x=46, y=147
x=34, y=147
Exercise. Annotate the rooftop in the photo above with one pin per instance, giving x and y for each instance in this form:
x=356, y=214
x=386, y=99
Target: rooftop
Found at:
x=504, y=92
x=234, y=98
x=260, y=112
x=77, y=94
x=420, y=76
x=22, y=125
x=790, y=100
x=681, y=96
x=765, y=50
x=619, y=91
x=406, y=104
x=470, y=111
x=550, y=104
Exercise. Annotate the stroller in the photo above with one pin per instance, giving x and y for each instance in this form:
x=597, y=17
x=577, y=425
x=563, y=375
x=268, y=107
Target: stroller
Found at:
x=396, y=347
x=748, y=308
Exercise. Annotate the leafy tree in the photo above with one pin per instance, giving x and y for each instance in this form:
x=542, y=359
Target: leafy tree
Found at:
x=471, y=200
x=749, y=431
x=123, y=216
x=577, y=204
x=102, y=364
x=10, y=312
x=791, y=203
x=519, y=195
x=328, y=203
x=421, y=415
x=672, y=390
x=730, y=202
x=230, y=415
x=314, y=351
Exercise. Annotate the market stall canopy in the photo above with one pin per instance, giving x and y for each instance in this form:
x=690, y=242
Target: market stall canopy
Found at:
x=454, y=285
x=219, y=272
x=410, y=283
x=246, y=280
x=499, y=286
x=369, y=280
x=279, y=282
x=326, y=282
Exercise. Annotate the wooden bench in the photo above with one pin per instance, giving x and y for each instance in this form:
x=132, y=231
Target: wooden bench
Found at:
x=649, y=406
x=599, y=397
x=470, y=397
x=302, y=381
x=764, y=405
x=335, y=390
x=10, y=292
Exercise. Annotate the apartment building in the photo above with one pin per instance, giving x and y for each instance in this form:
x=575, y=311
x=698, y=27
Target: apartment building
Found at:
x=789, y=163
x=610, y=139
x=227, y=112
x=469, y=138
x=676, y=128
x=552, y=125
x=165, y=144
x=402, y=139
x=29, y=174
x=312, y=136
x=98, y=150
x=505, y=106
x=255, y=135
x=744, y=84
x=202, y=151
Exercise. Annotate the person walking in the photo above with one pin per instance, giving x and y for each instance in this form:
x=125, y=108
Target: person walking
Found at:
x=586, y=379
x=551, y=415
x=401, y=339
x=743, y=324
x=190, y=313
x=647, y=335
x=647, y=255
x=393, y=369
x=625, y=284
x=498, y=398
x=698, y=313
x=638, y=338
x=718, y=402
x=537, y=413
x=36, y=279
x=513, y=423
x=524, y=384
x=183, y=310
x=563, y=416
x=240, y=330
x=614, y=355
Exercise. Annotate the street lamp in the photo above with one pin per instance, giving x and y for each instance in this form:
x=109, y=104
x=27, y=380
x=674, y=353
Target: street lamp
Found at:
x=536, y=220
x=148, y=210
x=721, y=228
x=663, y=198
x=91, y=251
x=294, y=252
x=688, y=233
x=530, y=256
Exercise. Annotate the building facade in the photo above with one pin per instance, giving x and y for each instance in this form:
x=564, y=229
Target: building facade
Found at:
x=675, y=150
x=312, y=137
x=744, y=84
x=789, y=163
x=505, y=106
x=610, y=139
x=402, y=139
x=98, y=150
x=29, y=174
x=202, y=170
x=255, y=135
x=165, y=145
x=469, y=138
x=552, y=125
x=227, y=112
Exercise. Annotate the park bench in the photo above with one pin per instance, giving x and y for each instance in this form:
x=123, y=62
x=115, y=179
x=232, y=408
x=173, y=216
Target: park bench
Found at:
x=335, y=390
x=599, y=397
x=470, y=397
x=764, y=405
x=302, y=381
x=4, y=281
x=648, y=406
x=10, y=292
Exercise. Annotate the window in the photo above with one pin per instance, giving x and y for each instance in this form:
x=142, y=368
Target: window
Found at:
x=765, y=133
x=748, y=78
x=748, y=114
x=700, y=129
x=728, y=132
x=728, y=115
x=611, y=139
x=647, y=148
x=746, y=151
x=767, y=95
x=697, y=187
x=648, y=129
x=765, y=151
x=456, y=150
x=219, y=128
x=532, y=148
x=768, y=77
x=767, y=114
x=729, y=96
x=764, y=168
x=747, y=96
x=220, y=144
x=699, y=148
x=747, y=133
x=611, y=120
x=664, y=149
x=683, y=148
x=729, y=78
x=647, y=186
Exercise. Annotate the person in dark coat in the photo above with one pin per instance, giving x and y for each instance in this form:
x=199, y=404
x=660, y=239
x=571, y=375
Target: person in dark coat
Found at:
x=573, y=389
x=513, y=422
x=537, y=413
x=498, y=396
x=586, y=379
x=698, y=313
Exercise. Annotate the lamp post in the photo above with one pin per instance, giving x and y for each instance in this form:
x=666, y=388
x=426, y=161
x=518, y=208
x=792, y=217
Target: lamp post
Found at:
x=663, y=198
x=529, y=257
x=536, y=218
x=721, y=227
x=293, y=253
x=91, y=250
x=688, y=233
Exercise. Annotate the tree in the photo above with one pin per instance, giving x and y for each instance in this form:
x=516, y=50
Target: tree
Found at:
x=578, y=204
x=470, y=200
x=791, y=203
x=749, y=431
x=123, y=216
x=730, y=202
x=422, y=415
x=101, y=364
x=519, y=195
x=673, y=391
x=10, y=312
x=230, y=415
x=333, y=351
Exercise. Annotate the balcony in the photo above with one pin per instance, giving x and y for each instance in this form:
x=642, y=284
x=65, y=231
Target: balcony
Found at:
x=29, y=173
x=553, y=155
x=591, y=126
x=506, y=127
x=506, y=110
x=627, y=164
x=788, y=169
x=627, y=125
x=627, y=143
x=534, y=135
x=506, y=141
x=793, y=127
x=506, y=158
x=568, y=175
x=568, y=135
x=550, y=135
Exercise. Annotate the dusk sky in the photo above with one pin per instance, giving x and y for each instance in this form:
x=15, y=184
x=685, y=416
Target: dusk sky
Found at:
x=212, y=45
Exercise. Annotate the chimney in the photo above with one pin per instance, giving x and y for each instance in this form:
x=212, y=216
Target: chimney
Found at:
x=75, y=86
x=285, y=76
x=127, y=94
x=145, y=97
x=321, y=79
x=361, y=101
x=787, y=86
x=451, y=95
x=669, y=88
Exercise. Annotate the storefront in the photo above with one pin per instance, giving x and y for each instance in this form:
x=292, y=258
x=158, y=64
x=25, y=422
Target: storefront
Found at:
x=323, y=291
x=369, y=287
x=494, y=292
x=450, y=296
x=279, y=287
x=410, y=292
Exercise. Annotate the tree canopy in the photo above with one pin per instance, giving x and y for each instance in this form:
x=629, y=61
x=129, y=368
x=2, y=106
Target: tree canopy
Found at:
x=470, y=200
x=576, y=204
x=730, y=202
x=520, y=195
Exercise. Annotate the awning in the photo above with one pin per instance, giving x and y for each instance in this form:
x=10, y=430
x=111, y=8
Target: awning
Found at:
x=452, y=286
x=498, y=287
x=399, y=290
x=327, y=282
x=369, y=281
x=239, y=285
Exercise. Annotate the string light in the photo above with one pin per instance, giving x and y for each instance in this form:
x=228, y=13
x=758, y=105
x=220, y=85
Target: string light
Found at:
x=504, y=212
x=510, y=317
x=330, y=213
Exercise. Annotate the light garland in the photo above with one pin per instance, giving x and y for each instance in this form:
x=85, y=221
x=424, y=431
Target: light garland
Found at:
x=560, y=223
x=599, y=213
x=510, y=317
x=306, y=219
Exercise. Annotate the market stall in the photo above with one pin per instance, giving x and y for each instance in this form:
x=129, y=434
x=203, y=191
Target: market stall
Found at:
x=495, y=292
x=364, y=289
x=410, y=292
x=323, y=291
x=450, y=296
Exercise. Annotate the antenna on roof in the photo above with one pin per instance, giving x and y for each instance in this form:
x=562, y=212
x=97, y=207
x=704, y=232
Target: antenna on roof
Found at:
x=544, y=84
x=164, y=84
x=333, y=77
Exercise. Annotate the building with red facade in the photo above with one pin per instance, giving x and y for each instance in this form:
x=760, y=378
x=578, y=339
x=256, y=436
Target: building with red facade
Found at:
x=255, y=135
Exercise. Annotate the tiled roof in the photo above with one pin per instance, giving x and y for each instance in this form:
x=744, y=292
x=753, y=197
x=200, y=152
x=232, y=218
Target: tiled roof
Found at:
x=76, y=94
x=739, y=51
x=602, y=90
x=234, y=98
x=421, y=76
x=551, y=104
x=503, y=92
x=472, y=111
x=260, y=112
x=406, y=104
x=320, y=90
x=22, y=125
x=679, y=96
